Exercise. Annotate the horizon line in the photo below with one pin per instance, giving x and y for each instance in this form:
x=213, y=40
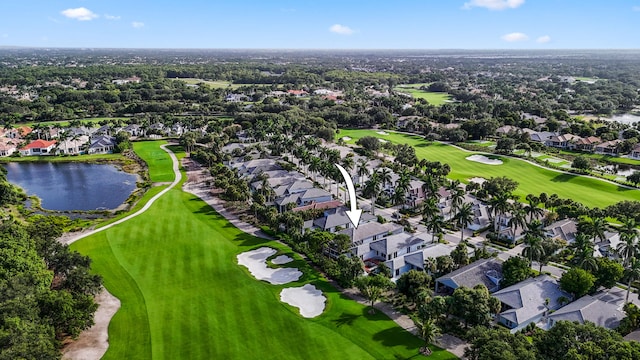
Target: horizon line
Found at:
x=7, y=47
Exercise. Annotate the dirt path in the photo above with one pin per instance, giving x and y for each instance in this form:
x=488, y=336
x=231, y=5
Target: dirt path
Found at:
x=94, y=342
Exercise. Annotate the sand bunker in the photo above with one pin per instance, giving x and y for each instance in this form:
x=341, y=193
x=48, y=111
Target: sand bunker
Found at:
x=484, y=160
x=383, y=133
x=477, y=180
x=308, y=299
x=346, y=138
x=282, y=259
x=256, y=262
x=383, y=141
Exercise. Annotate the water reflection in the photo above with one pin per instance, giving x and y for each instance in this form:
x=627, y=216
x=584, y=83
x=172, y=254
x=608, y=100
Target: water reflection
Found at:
x=73, y=186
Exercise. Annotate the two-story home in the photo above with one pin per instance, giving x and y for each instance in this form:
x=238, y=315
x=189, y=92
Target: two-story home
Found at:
x=367, y=233
x=608, y=147
x=563, y=229
x=102, y=144
x=565, y=141
x=635, y=153
x=587, y=144
x=529, y=300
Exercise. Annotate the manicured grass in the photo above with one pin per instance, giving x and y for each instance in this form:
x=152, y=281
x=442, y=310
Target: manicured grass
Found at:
x=157, y=159
x=184, y=296
x=532, y=179
x=433, y=98
x=585, y=79
x=217, y=84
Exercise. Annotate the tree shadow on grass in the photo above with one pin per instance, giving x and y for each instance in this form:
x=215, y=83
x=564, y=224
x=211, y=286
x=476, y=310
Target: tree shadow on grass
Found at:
x=564, y=177
x=345, y=319
x=397, y=336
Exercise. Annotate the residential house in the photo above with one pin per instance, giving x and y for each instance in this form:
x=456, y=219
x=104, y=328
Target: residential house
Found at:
x=541, y=136
x=327, y=205
x=7, y=147
x=134, y=130
x=306, y=197
x=603, y=309
x=587, y=144
x=608, y=147
x=103, y=130
x=73, y=146
x=132, y=79
x=528, y=301
x=563, y=229
x=235, y=98
x=102, y=144
x=507, y=129
x=416, y=260
x=565, y=141
x=19, y=132
x=38, y=147
x=366, y=233
x=487, y=272
x=481, y=216
x=297, y=93
x=635, y=153
x=608, y=247
x=333, y=220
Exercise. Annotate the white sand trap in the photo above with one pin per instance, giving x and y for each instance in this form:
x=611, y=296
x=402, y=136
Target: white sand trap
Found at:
x=308, y=299
x=256, y=262
x=555, y=160
x=484, y=160
x=477, y=180
x=346, y=138
x=383, y=133
x=383, y=141
x=282, y=259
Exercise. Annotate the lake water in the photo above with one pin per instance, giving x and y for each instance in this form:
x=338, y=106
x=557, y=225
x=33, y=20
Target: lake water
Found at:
x=73, y=186
x=625, y=118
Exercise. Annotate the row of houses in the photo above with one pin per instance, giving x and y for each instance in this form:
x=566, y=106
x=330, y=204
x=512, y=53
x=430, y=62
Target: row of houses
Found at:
x=536, y=300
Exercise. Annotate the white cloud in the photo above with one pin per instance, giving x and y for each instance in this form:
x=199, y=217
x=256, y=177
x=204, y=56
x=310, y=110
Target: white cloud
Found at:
x=81, y=14
x=137, y=24
x=341, y=29
x=111, y=17
x=514, y=37
x=493, y=4
x=543, y=39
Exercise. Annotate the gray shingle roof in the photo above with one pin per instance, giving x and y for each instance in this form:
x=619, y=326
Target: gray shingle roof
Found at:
x=365, y=231
x=486, y=271
x=527, y=298
x=601, y=311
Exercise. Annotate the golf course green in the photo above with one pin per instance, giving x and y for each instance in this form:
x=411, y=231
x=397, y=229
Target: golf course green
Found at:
x=184, y=296
x=532, y=179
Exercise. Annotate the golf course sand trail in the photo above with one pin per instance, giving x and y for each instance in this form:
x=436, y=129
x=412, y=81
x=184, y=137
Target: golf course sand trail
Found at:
x=308, y=299
x=484, y=160
x=256, y=262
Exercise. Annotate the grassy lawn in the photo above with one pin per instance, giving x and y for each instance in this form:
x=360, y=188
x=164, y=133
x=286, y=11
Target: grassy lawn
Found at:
x=433, y=98
x=184, y=296
x=217, y=84
x=585, y=79
x=532, y=179
x=157, y=159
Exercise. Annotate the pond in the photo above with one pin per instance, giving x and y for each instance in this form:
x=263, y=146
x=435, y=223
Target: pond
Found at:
x=73, y=186
x=628, y=119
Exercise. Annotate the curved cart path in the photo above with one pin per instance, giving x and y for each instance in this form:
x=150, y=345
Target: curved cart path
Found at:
x=94, y=342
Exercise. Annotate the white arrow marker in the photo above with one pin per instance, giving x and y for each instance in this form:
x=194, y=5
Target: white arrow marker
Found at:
x=353, y=214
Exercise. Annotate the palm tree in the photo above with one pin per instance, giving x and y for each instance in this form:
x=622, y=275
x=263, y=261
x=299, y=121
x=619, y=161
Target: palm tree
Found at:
x=464, y=217
x=385, y=176
x=518, y=218
x=629, y=247
x=362, y=169
x=315, y=164
x=595, y=227
x=430, y=209
x=457, y=197
x=499, y=205
x=402, y=186
x=348, y=163
x=583, y=252
x=533, y=247
x=372, y=188
x=429, y=332
x=533, y=208
x=632, y=273
x=436, y=226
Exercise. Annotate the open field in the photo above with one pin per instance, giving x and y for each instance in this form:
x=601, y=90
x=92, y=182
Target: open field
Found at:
x=532, y=179
x=184, y=296
x=433, y=98
x=217, y=84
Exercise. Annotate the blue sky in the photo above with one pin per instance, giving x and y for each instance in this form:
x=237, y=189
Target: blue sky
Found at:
x=326, y=24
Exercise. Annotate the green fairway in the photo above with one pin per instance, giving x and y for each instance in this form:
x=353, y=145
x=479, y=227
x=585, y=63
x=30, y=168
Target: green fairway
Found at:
x=157, y=159
x=217, y=84
x=184, y=296
x=433, y=98
x=64, y=123
x=532, y=179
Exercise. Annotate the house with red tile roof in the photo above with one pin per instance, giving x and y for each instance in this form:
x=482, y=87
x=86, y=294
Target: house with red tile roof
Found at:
x=7, y=147
x=19, y=132
x=38, y=147
x=297, y=93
